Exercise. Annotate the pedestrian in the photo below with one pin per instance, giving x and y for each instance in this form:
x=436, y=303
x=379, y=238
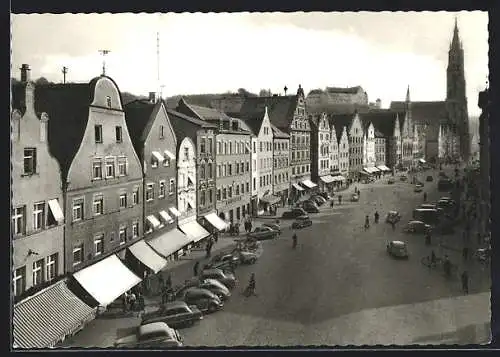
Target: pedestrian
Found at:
x=465, y=253
x=209, y=250
x=132, y=299
x=141, y=304
x=425, y=196
x=125, y=302
x=428, y=238
x=168, y=282
x=340, y=199
x=465, y=282
x=249, y=226
x=331, y=204
x=393, y=224
x=195, y=268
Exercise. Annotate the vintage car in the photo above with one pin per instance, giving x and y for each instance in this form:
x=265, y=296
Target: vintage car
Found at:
x=445, y=204
x=442, y=174
x=223, y=261
x=325, y=195
x=263, y=233
x=393, y=217
x=226, y=278
x=417, y=227
x=397, y=249
x=203, y=299
x=156, y=335
x=354, y=197
x=429, y=178
x=273, y=226
x=175, y=314
x=293, y=213
x=309, y=206
x=418, y=189
x=301, y=222
x=419, y=184
x=403, y=178
x=391, y=181
x=320, y=200
x=212, y=285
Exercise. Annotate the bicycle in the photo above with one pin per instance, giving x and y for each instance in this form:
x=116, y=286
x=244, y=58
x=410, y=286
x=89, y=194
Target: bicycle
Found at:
x=427, y=261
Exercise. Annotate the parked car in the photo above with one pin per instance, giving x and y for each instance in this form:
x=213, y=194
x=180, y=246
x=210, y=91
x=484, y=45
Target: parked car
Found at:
x=175, y=314
x=391, y=181
x=397, y=249
x=246, y=256
x=212, y=285
x=226, y=278
x=403, y=178
x=301, y=222
x=273, y=226
x=263, y=233
x=445, y=184
x=417, y=227
x=393, y=217
x=156, y=334
x=320, y=200
x=294, y=213
x=204, y=299
x=429, y=178
x=431, y=206
x=446, y=204
x=419, y=184
x=354, y=198
x=418, y=189
x=310, y=207
x=442, y=174
x=325, y=195
x=223, y=260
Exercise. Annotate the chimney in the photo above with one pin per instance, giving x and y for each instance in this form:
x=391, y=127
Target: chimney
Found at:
x=25, y=73
x=152, y=97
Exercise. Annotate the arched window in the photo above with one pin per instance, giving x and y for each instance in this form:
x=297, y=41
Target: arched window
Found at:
x=209, y=170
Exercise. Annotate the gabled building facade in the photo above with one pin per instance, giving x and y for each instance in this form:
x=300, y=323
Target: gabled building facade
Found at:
x=334, y=152
x=321, y=151
x=380, y=149
x=37, y=218
x=369, y=145
x=281, y=164
x=343, y=140
x=232, y=161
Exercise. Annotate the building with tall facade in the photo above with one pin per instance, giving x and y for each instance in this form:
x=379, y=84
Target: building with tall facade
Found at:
x=484, y=162
x=202, y=134
x=444, y=125
x=37, y=218
x=232, y=161
x=355, y=134
x=321, y=151
x=369, y=147
x=281, y=164
x=343, y=140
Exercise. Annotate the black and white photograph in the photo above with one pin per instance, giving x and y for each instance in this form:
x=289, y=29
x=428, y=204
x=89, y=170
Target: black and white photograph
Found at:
x=250, y=180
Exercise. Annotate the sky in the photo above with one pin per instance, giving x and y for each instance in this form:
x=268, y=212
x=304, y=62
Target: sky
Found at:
x=384, y=52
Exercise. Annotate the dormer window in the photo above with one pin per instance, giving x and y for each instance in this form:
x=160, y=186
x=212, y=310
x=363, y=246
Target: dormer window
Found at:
x=108, y=101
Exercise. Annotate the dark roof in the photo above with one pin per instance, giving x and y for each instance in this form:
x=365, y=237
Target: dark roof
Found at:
x=425, y=112
x=252, y=116
x=67, y=106
x=139, y=118
x=195, y=121
x=338, y=108
x=279, y=134
x=339, y=121
x=383, y=120
x=280, y=108
x=18, y=94
x=316, y=91
x=346, y=90
x=379, y=134
x=203, y=113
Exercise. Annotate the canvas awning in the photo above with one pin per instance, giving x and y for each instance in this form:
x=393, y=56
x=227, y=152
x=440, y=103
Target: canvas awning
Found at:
x=216, y=221
x=166, y=217
x=327, y=178
x=194, y=231
x=271, y=199
x=422, y=161
x=44, y=319
x=153, y=221
x=169, y=242
x=174, y=211
x=169, y=154
x=383, y=168
x=364, y=172
x=374, y=169
x=107, y=279
x=157, y=156
x=309, y=184
x=339, y=178
x=56, y=210
x=297, y=187
x=147, y=256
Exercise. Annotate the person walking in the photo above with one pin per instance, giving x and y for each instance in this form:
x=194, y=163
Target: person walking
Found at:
x=340, y=199
x=465, y=253
x=196, y=267
x=425, y=196
x=393, y=224
x=168, y=282
x=465, y=282
x=331, y=203
x=428, y=238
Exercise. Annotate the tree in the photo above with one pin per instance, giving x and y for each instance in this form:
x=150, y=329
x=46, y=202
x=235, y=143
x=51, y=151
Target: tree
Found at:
x=42, y=81
x=265, y=93
x=244, y=93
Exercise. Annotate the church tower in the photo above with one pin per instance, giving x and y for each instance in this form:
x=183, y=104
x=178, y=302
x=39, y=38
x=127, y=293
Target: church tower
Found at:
x=456, y=98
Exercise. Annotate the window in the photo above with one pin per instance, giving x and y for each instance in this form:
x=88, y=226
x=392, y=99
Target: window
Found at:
x=248, y=166
x=97, y=169
x=123, y=200
x=98, y=133
x=19, y=220
x=237, y=190
x=247, y=187
x=29, y=161
x=154, y=162
x=186, y=154
x=77, y=254
x=135, y=229
x=210, y=196
x=242, y=188
x=118, y=134
x=202, y=198
x=110, y=168
x=230, y=169
x=237, y=168
x=99, y=244
x=122, y=166
x=162, y=134
x=19, y=281
x=38, y=272
x=171, y=187
x=123, y=235
x=135, y=196
x=98, y=205
x=209, y=171
x=202, y=171
x=161, y=193
x=230, y=192
x=210, y=145
x=254, y=184
x=261, y=144
x=51, y=266
x=218, y=194
x=108, y=101
x=112, y=236
x=77, y=209
x=224, y=193
x=38, y=215
x=150, y=195
x=203, y=147
x=254, y=147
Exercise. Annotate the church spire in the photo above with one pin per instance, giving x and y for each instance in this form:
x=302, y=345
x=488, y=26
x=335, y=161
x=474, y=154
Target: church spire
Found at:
x=455, y=42
x=408, y=94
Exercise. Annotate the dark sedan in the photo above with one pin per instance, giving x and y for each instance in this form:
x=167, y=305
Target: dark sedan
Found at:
x=294, y=213
x=175, y=314
x=204, y=299
x=301, y=222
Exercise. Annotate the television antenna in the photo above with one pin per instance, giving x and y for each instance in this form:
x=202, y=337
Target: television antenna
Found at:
x=104, y=53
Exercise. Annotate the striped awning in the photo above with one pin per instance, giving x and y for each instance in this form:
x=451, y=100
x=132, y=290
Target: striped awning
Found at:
x=44, y=319
x=327, y=178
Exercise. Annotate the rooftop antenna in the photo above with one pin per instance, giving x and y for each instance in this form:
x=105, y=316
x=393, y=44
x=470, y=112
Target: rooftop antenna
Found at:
x=64, y=71
x=158, y=65
x=104, y=53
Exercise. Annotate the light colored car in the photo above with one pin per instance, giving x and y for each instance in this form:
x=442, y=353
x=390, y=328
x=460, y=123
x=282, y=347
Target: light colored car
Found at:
x=155, y=334
x=263, y=233
x=301, y=222
x=274, y=226
x=354, y=198
x=212, y=285
x=397, y=249
x=393, y=216
x=417, y=227
x=226, y=278
x=417, y=189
